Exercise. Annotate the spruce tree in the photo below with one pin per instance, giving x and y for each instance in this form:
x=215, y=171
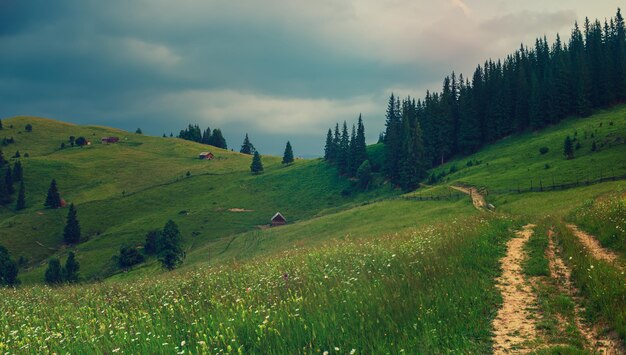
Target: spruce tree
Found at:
x=54, y=274
x=343, y=153
x=53, y=199
x=21, y=197
x=288, y=155
x=364, y=174
x=5, y=197
x=336, y=143
x=568, y=148
x=8, y=179
x=257, y=166
x=1, y=128
x=206, y=136
x=360, y=148
x=328, y=147
x=247, y=147
x=71, y=269
x=128, y=257
x=172, y=253
x=151, y=245
x=18, y=173
x=2, y=160
x=352, y=167
x=8, y=269
x=217, y=139
x=71, y=233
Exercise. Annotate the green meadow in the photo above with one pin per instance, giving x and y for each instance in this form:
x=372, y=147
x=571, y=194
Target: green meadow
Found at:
x=353, y=271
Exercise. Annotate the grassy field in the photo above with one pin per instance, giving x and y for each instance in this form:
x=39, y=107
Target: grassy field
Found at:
x=352, y=272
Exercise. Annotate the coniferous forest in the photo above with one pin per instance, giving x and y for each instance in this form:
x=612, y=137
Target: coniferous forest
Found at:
x=530, y=89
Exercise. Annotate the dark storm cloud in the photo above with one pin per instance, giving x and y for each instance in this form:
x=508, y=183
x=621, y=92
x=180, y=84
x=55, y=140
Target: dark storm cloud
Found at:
x=276, y=69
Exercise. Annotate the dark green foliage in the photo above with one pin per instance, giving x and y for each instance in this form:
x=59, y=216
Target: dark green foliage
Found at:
x=543, y=150
x=288, y=155
x=129, y=257
x=247, y=147
x=1, y=128
x=151, y=246
x=138, y=131
x=8, y=180
x=28, y=128
x=194, y=134
x=17, y=154
x=577, y=146
x=53, y=199
x=594, y=147
x=217, y=139
x=329, y=151
x=257, y=166
x=568, y=148
x=71, y=233
x=8, y=269
x=343, y=152
x=2, y=160
x=71, y=269
x=171, y=254
x=21, y=197
x=364, y=174
x=62, y=145
x=81, y=141
x=54, y=274
x=5, y=196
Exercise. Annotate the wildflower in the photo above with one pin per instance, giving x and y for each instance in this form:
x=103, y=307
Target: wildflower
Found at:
x=352, y=352
x=336, y=348
x=115, y=350
x=182, y=343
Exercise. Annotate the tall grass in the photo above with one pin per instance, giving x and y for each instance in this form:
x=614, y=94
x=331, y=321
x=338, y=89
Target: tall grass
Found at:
x=419, y=292
x=605, y=218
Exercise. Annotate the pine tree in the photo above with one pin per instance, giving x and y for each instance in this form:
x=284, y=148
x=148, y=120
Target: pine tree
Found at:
x=364, y=174
x=18, y=172
x=71, y=233
x=412, y=170
x=360, y=148
x=8, y=269
x=138, y=131
x=217, y=139
x=351, y=160
x=53, y=199
x=206, y=136
x=21, y=197
x=1, y=128
x=2, y=160
x=8, y=180
x=288, y=155
x=343, y=152
x=5, y=197
x=247, y=147
x=71, y=269
x=54, y=274
x=568, y=148
x=172, y=253
x=329, y=154
x=257, y=166
x=151, y=245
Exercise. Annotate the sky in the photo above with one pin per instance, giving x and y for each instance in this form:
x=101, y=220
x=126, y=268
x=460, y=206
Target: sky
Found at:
x=276, y=69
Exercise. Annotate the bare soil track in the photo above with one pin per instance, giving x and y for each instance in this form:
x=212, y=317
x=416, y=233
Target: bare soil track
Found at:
x=593, y=246
x=514, y=325
x=597, y=342
x=477, y=199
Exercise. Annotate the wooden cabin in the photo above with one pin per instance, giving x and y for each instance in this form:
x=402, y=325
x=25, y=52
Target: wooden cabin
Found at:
x=278, y=220
x=206, y=156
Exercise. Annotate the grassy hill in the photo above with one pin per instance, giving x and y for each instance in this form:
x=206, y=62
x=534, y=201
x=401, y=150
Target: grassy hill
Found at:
x=124, y=190
x=352, y=272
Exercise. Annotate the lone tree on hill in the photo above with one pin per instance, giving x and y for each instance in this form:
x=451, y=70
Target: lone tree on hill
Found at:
x=29, y=127
x=288, y=155
x=18, y=172
x=53, y=199
x=70, y=271
x=247, y=147
x=172, y=253
x=71, y=233
x=568, y=148
x=8, y=269
x=257, y=166
x=54, y=274
x=21, y=197
x=8, y=179
x=138, y=131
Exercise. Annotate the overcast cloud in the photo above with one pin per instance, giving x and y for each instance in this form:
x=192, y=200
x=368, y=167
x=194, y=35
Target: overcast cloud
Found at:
x=277, y=69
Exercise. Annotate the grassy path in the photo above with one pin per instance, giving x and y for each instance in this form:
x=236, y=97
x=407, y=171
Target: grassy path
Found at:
x=597, y=342
x=514, y=325
x=593, y=246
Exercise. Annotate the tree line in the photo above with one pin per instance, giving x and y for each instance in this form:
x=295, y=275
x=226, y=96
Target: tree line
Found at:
x=347, y=151
x=530, y=89
x=195, y=134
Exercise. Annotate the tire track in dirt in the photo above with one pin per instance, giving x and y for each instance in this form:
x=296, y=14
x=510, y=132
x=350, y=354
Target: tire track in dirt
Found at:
x=593, y=246
x=514, y=325
x=559, y=271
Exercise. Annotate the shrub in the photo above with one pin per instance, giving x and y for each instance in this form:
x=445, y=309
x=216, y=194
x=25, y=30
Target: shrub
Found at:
x=128, y=257
x=544, y=150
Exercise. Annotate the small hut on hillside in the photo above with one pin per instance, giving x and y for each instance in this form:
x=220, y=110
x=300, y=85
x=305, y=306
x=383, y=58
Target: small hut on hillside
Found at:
x=109, y=140
x=278, y=220
x=206, y=156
